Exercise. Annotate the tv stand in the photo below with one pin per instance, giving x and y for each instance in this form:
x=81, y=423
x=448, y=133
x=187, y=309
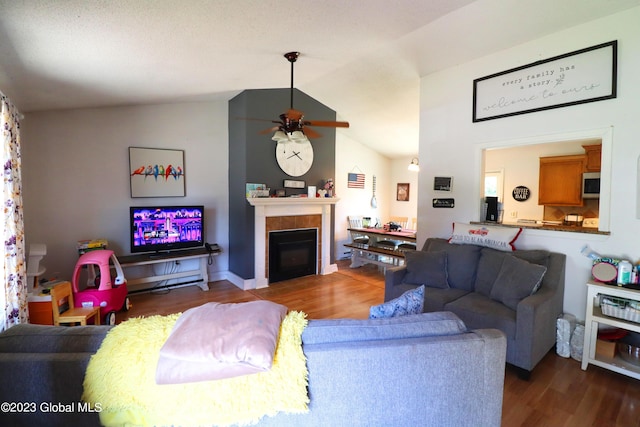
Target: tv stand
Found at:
x=139, y=260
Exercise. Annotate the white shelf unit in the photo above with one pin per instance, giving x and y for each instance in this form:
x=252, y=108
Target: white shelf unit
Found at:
x=201, y=254
x=594, y=318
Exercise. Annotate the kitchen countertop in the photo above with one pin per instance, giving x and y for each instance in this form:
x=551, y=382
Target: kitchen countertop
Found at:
x=550, y=227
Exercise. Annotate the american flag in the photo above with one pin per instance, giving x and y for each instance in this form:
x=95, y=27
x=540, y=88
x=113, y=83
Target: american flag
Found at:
x=355, y=180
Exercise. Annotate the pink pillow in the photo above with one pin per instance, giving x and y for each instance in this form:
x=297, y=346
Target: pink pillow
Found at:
x=216, y=341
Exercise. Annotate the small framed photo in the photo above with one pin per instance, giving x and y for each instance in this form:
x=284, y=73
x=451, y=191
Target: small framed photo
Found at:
x=402, y=193
x=442, y=183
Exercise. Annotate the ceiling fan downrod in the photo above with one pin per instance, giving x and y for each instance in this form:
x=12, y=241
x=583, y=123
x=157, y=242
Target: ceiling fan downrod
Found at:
x=291, y=57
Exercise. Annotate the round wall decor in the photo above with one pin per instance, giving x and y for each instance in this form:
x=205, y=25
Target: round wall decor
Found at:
x=521, y=193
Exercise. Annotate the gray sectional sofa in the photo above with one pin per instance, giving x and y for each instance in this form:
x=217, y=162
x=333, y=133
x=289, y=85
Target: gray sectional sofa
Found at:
x=424, y=369
x=488, y=288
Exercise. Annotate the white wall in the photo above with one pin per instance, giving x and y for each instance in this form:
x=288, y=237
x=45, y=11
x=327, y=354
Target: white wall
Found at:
x=400, y=174
x=76, y=173
x=451, y=145
x=352, y=156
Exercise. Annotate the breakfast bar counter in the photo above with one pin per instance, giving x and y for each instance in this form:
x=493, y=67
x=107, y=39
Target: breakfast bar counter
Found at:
x=550, y=227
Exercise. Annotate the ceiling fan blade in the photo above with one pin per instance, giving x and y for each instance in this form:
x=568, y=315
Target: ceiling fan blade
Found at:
x=269, y=130
x=310, y=133
x=252, y=119
x=326, y=124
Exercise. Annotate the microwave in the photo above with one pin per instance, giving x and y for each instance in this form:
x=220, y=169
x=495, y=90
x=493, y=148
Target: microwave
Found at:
x=591, y=185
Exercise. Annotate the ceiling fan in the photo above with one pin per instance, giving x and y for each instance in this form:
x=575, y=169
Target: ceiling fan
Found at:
x=293, y=120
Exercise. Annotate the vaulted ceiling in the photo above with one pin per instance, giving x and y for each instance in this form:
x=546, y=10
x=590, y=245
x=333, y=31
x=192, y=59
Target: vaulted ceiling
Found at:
x=362, y=58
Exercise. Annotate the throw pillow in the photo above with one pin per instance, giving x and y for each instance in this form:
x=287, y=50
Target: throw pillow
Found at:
x=216, y=341
x=462, y=261
x=426, y=268
x=410, y=302
x=501, y=238
x=516, y=280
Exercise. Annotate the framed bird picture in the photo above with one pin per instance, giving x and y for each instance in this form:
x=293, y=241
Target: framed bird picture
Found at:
x=156, y=172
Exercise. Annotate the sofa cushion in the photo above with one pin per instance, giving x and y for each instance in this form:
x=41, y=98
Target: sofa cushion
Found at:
x=462, y=261
x=410, y=302
x=426, y=268
x=435, y=299
x=501, y=238
x=516, y=280
x=480, y=312
x=412, y=326
x=489, y=266
x=534, y=256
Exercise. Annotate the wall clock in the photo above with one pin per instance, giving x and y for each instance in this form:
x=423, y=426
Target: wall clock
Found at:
x=294, y=158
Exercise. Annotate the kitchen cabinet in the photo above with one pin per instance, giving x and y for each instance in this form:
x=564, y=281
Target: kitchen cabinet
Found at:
x=595, y=318
x=593, y=157
x=560, y=180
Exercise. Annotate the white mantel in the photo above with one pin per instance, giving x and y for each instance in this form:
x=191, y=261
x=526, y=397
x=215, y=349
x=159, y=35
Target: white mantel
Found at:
x=285, y=206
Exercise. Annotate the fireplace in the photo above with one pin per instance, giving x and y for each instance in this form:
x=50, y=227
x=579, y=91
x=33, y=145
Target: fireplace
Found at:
x=292, y=253
x=290, y=213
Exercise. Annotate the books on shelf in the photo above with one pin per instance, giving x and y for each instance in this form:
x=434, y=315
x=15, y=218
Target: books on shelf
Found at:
x=85, y=246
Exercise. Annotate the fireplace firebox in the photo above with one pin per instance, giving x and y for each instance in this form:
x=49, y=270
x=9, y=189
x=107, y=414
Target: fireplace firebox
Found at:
x=292, y=253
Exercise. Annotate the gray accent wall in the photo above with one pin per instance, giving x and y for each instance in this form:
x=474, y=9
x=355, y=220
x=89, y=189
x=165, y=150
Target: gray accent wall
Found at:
x=252, y=159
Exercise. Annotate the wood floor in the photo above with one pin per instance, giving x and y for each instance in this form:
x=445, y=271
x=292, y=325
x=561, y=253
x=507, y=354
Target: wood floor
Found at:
x=558, y=394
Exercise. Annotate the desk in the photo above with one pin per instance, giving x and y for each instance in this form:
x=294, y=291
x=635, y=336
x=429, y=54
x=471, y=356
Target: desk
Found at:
x=376, y=253
x=200, y=254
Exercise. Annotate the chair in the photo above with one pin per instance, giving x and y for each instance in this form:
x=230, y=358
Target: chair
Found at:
x=356, y=222
x=414, y=223
x=34, y=270
x=403, y=221
x=64, y=312
x=406, y=246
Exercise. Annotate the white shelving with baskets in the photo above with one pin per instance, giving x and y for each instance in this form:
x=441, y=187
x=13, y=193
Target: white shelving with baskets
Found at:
x=616, y=307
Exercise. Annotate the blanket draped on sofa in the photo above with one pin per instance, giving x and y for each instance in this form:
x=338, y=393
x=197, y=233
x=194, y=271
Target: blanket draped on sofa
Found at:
x=120, y=380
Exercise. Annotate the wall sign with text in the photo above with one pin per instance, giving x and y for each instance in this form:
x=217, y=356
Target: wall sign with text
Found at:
x=443, y=203
x=585, y=75
x=521, y=193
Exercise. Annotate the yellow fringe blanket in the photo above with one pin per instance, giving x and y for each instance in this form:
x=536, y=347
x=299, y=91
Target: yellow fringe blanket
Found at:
x=120, y=379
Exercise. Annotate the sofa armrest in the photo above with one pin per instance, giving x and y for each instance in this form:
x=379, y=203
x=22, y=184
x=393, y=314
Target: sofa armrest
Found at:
x=536, y=319
x=393, y=287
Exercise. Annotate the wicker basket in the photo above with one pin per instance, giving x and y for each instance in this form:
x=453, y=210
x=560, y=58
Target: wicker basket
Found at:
x=620, y=308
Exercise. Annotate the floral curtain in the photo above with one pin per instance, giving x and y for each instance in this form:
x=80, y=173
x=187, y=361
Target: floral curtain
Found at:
x=13, y=292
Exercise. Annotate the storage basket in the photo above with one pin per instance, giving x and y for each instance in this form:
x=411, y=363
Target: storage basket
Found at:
x=621, y=308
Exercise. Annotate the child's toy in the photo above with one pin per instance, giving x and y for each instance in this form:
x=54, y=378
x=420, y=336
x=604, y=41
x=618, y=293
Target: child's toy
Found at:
x=101, y=290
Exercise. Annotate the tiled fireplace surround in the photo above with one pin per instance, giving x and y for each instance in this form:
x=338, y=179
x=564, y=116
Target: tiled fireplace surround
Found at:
x=275, y=214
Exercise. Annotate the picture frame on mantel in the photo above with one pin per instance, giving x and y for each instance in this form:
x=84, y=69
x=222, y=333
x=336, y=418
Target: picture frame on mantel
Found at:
x=156, y=172
x=585, y=75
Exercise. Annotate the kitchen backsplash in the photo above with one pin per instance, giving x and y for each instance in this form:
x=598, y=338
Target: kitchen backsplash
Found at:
x=557, y=213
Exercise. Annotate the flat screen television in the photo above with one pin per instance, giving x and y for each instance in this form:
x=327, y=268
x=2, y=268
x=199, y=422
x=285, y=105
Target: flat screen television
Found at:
x=166, y=228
